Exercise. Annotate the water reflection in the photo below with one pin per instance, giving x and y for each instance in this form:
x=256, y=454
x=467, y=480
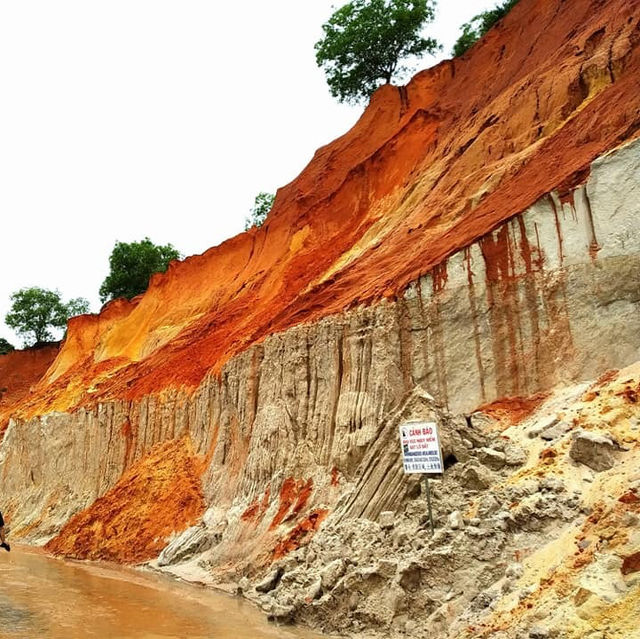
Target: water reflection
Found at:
x=46, y=598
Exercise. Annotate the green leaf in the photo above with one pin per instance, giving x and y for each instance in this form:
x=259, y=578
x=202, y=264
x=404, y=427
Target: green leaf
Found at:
x=35, y=311
x=365, y=40
x=131, y=266
x=261, y=207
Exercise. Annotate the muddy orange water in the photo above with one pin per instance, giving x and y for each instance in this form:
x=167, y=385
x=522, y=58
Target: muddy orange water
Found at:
x=46, y=598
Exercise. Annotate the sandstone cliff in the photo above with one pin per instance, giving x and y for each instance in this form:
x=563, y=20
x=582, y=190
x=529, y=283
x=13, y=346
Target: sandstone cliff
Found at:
x=19, y=371
x=473, y=238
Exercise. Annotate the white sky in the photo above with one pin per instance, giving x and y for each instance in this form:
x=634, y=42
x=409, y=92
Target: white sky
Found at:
x=126, y=118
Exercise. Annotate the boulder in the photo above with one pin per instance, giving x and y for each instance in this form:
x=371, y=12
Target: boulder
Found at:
x=455, y=520
x=191, y=542
x=330, y=574
x=386, y=519
x=515, y=455
x=315, y=590
x=555, y=431
x=595, y=450
x=491, y=458
x=476, y=477
x=270, y=581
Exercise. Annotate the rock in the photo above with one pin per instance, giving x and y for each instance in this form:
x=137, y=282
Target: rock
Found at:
x=481, y=421
x=330, y=574
x=270, y=581
x=546, y=422
x=537, y=632
x=455, y=520
x=514, y=571
x=409, y=575
x=491, y=458
x=315, y=589
x=594, y=450
x=386, y=568
x=555, y=431
x=243, y=586
x=386, y=519
x=515, y=455
x=281, y=614
x=482, y=600
x=400, y=538
x=353, y=601
x=410, y=626
x=552, y=484
x=488, y=505
x=476, y=477
x=191, y=542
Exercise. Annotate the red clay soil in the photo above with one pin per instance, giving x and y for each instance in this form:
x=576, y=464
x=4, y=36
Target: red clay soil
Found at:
x=256, y=510
x=293, y=498
x=300, y=534
x=428, y=169
x=512, y=410
x=158, y=496
x=631, y=564
x=19, y=371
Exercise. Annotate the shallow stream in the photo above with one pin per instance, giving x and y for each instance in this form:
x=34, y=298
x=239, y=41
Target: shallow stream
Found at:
x=46, y=598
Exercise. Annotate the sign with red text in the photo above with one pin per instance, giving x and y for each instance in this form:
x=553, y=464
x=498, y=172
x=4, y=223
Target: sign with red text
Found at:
x=421, y=448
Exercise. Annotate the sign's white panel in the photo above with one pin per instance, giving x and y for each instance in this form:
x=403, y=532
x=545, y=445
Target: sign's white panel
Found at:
x=421, y=448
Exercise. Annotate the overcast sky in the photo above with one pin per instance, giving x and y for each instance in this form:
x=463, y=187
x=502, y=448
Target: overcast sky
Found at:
x=126, y=118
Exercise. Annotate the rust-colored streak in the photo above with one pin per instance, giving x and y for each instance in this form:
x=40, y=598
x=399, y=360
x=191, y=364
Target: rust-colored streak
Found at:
x=440, y=276
x=301, y=534
x=294, y=495
x=257, y=508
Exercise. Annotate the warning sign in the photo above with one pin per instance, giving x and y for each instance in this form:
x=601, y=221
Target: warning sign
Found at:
x=421, y=448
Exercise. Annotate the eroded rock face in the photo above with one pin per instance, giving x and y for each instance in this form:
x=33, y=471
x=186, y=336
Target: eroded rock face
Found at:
x=429, y=170
x=309, y=405
x=438, y=257
x=19, y=371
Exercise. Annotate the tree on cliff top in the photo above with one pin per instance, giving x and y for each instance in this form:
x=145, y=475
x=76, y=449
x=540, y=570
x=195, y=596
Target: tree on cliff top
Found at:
x=131, y=266
x=35, y=311
x=5, y=346
x=365, y=40
x=260, y=210
x=473, y=30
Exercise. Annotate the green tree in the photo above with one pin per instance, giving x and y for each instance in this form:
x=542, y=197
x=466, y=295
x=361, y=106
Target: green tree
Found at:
x=131, y=266
x=365, y=40
x=260, y=210
x=5, y=346
x=34, y=311
x=473, y=30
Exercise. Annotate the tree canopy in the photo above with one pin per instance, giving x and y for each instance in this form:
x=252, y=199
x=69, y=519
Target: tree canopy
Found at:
x=365, y=40
x=473, y=30
x=5, y=346
x=35, y=311
x=131, y=266
x=260, y=210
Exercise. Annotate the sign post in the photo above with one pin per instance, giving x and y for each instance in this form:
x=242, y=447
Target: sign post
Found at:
x=421, y=453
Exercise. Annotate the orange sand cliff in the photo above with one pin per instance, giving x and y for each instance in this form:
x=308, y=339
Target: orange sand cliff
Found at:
x=156, y=497
x=427, y=170
x=19, y=371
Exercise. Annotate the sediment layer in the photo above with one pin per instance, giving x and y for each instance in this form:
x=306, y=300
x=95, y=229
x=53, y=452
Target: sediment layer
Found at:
x=428, y=169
